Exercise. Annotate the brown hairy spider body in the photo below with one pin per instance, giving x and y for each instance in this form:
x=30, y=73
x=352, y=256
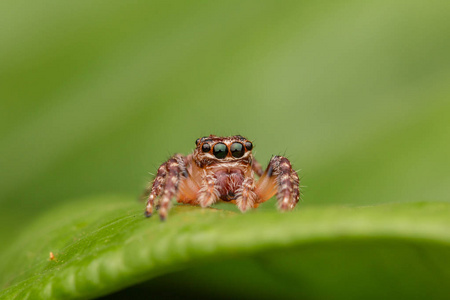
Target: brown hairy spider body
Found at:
x=223, y=169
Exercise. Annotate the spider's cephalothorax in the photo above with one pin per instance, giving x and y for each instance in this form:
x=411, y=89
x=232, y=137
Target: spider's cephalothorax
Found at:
x=223, y=169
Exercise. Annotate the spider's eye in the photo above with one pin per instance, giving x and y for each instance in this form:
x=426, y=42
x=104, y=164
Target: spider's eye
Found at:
x=237, y=149
x=206, y=147
x=249, y=145
x=197, y=141
x=220, y=150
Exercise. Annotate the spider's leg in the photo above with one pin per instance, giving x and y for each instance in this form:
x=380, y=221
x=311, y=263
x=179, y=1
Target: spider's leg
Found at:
x=208, y=193
x=247, y=195
x=257, y=168
x=296, y=184
x=158, y=185
x=166, y=184
x=280, y=179
x=170, y=187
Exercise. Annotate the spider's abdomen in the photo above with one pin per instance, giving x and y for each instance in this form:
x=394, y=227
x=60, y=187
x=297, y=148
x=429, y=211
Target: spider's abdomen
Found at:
x=229, y=183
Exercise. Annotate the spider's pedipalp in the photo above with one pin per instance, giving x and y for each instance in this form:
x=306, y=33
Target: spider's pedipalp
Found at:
x=246, y=195
x=208, y=193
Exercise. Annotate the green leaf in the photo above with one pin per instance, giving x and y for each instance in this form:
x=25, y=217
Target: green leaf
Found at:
x=94, y=96
x=105, y=244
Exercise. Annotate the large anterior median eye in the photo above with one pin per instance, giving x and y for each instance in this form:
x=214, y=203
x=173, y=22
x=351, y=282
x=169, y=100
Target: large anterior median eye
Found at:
x=237, y=149
x=220, y=150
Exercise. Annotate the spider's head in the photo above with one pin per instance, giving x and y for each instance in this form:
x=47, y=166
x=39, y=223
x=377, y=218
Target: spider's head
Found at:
x=214, y=149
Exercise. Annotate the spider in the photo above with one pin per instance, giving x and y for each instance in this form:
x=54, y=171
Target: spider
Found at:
x=223, y=169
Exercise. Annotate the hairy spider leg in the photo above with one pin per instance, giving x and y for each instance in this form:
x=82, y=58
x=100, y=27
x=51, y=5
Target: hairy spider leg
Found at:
x=279, y=179
x=157, y=187
x=170, y=187
x=166, y=184
x=296, y=185
x=285, y=194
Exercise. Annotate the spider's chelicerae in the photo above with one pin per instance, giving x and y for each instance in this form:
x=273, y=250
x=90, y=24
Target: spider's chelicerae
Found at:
x=223, y=169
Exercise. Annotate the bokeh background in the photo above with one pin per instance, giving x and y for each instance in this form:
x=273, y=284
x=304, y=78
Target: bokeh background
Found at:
x=96, y=94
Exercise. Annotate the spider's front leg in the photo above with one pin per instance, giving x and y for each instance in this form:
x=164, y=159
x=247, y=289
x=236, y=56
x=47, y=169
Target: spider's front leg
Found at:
x=280, y=179
x=166, y=185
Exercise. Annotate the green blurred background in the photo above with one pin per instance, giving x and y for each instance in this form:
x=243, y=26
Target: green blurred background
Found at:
x=96, y=94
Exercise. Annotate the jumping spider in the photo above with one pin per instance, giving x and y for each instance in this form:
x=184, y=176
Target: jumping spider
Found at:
x=222, y=169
